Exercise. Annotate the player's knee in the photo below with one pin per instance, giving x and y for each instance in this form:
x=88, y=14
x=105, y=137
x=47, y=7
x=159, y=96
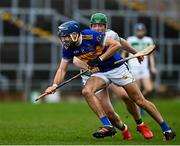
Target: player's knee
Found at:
x=141, y=102
x=149, y=89
x=86, y=92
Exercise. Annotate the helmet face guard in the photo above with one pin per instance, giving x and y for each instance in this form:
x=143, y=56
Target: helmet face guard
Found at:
x=74, y=36
x=71, y=30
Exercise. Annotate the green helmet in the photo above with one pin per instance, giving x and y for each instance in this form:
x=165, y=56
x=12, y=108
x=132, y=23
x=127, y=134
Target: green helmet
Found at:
x=98, y=18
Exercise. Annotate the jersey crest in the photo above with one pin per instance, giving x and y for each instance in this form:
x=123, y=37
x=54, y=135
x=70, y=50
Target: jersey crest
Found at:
x=99, y=39
x=87, y=37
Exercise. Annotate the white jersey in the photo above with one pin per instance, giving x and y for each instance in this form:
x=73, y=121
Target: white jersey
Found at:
x=139, y=70
x=112, y=34
x=139, y=44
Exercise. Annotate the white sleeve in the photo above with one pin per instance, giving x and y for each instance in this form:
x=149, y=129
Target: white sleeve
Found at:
x=116, y=37
x=112, y=34
x=66, y=60
x=151, y=41
x=104, y=41
x=128, y=40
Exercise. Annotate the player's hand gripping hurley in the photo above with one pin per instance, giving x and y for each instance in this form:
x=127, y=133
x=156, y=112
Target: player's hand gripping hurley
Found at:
x=144, y=52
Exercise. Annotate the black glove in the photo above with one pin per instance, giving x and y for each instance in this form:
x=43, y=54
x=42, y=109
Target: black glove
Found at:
x=95, y=62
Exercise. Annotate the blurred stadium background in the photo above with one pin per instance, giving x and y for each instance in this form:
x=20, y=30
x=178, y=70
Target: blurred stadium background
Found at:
x=30, y=54
x=30, y=51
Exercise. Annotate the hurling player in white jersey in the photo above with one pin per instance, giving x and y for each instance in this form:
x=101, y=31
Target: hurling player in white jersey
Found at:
x=142, y=71
x=99, y=23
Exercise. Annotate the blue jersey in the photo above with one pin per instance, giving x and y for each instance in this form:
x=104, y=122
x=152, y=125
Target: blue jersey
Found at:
x=90, y=48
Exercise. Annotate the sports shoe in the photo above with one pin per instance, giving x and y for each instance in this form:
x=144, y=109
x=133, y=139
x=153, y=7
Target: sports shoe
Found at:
x=126, y=134
x=169, y=135
x=105, y=131
x=146, y=132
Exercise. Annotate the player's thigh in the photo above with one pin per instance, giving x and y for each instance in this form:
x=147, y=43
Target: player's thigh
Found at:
x=138, y=82
x=118, y=90
x=94, y=84
x=147, y=84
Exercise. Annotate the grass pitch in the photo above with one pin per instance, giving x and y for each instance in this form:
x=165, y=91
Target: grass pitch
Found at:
x=74, y=123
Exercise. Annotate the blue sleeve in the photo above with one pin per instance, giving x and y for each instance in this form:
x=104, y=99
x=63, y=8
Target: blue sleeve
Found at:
x=98, y=38
x=67, y=54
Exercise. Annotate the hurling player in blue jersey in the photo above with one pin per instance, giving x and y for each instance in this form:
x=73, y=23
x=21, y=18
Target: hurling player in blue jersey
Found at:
x=99, y=51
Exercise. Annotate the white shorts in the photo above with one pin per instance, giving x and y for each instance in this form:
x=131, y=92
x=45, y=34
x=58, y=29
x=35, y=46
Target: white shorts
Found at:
x=119, y=76
x=84, y=78
x=140, y=73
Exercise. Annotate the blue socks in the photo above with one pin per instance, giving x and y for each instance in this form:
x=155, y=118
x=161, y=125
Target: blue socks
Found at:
x=105, y=121
x=164, y=126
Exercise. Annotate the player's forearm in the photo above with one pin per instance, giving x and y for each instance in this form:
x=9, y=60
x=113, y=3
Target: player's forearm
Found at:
x=110, y=52
x=61, y=72
x=126, y=46
x=113, y=47
x=59, y=77
x=152, y=61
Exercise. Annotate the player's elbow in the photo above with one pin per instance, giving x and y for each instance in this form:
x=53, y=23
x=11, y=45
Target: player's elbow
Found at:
x=117, y=45
x=113, y=44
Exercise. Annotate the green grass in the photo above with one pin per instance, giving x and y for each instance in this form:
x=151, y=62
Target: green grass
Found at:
x=74, y=123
